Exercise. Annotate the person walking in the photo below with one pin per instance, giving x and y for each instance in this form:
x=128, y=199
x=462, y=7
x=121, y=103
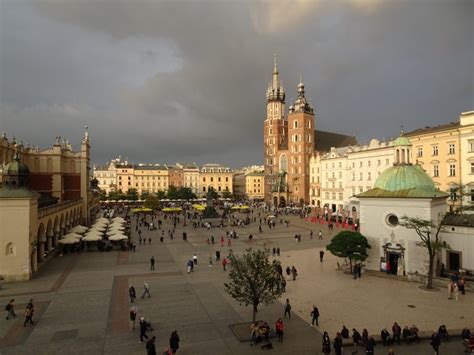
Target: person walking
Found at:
x=315, y=316
x=132, y=294
x=150, y=346
x=356, y=338
x=210, y=260
x=321, y=255
x=369, y=347
x=29, y=311
x=338, y=344
x=396, y=330
x=195, y=259
x=287, y=308
x=456, y=291
x=146, y=290
x=10, y=308
x=133, y=316
x=288, y=271
x=450, y=290
x=278, y=251
x=218, y=255
x=143, y=327
x=224, y=263
x=279, y=327
x=320, y=235
x=294, y=273
x=152, y=263
x=311, y=234
x=174, y=342
x=435, y=342
x=326, y=344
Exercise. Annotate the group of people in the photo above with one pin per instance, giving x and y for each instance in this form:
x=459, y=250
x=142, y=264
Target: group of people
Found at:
x=456, y=285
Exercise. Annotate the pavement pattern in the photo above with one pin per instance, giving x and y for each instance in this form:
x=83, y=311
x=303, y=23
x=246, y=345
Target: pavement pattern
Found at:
x=82, y=303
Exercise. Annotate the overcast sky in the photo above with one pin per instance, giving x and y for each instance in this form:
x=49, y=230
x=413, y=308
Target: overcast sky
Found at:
x=184, y=81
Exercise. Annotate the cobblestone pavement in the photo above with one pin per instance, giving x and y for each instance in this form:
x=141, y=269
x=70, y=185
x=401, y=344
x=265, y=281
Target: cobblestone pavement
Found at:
x=82, y=299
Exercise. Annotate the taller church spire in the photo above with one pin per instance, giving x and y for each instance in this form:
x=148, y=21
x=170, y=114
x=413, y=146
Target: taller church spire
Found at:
x=275, y=90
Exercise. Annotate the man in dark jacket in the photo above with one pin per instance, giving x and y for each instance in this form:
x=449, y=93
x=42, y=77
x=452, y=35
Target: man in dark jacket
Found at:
x=315, y=316
x=345, y=332
x=143, y=327
x=435, y=342
x=396, y=332
x=174, y=342
x=150, y=346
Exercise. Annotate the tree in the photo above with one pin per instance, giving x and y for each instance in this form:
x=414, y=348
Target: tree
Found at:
x=172, y=193
x=161, y=195
x=226, y=194
x=429, y=240
x=351, y=245
x=185, y=193
x=132, y=194
x=212, y=194
x=144, y=195
x=152, y=202
x=254, y=279
x=116, y=195
x=102, y=195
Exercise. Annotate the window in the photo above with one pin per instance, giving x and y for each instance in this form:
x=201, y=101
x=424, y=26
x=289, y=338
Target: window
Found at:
x=434, y=150
x=309, y=124
x=203, y=180
x=340, y=185
x=378, y=162
x=219, y=179
x=326, y=195
x=340, y=175
x=387, y=161
x=368, y=163
x=452, y=169
x=360, y=177
x=353, y=176
x=451, y=148
x=435, y=170
x=212, y=179
x=472, y=195
x=340, y=196
x=360, y=164
x=333, y=195
x=295, y=124
x=470, y=145
x=369, y=176
x=361, y=189
x=340, y=164
x=204, y=189
x=392, y=220
x=472, y=168
x=419, y=152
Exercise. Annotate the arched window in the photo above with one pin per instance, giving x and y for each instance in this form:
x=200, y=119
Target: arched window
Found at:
x=295, y=124
x=10, y=249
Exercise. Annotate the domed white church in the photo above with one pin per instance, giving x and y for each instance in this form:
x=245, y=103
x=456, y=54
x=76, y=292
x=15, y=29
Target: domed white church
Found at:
x=402, y=190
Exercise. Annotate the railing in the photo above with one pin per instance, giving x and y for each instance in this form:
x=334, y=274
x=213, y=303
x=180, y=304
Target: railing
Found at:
x=45, y=211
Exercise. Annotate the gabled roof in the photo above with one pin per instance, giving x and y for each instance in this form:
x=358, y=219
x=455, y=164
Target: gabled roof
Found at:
x=323, y=141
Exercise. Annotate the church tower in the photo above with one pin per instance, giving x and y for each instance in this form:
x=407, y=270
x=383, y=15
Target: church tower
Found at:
x=300, y=146
x=275, y=130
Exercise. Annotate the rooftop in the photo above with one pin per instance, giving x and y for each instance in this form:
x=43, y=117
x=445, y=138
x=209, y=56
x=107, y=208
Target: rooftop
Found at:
x=429, y=129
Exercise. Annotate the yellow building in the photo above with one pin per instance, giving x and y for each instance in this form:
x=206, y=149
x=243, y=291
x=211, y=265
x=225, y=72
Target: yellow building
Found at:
x=44, y=194
x=437, y=150
x=254, y=185
x=216, y=176
x=150, y=178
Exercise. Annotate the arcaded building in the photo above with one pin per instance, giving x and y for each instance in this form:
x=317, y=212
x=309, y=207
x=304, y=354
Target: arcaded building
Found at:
x=44, y=194
x=290, y=143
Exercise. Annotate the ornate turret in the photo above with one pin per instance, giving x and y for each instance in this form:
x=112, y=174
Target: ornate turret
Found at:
x=275, y=90
x=16, y=173
x=301, y=104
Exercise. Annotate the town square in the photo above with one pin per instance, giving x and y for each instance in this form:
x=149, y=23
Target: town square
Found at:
x=236, y=177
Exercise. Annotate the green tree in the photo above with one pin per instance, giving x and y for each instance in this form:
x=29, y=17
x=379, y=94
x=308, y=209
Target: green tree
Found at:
x=151, y=201
x=212, y=194
x=115, y=195
x=226, y=194
x=132, y=194
x=185, y=193
x=350, y=245
x=102, y=195
x=172, y=193
x=253, y=279
x=161, y=195
x=144, y=195
x=428, y=232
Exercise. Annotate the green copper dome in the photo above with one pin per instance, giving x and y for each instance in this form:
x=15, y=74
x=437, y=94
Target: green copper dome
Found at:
x=16, y=167
x=401, y=141
x=403, y=177
x=404, y=180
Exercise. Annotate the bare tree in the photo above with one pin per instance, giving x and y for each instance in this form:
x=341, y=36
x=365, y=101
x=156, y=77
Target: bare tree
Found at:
x=428, y=232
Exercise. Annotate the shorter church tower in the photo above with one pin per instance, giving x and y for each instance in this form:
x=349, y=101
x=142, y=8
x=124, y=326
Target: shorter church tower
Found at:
x=300, y=146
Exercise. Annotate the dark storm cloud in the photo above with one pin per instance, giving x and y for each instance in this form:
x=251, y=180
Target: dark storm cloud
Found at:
x=185, y=81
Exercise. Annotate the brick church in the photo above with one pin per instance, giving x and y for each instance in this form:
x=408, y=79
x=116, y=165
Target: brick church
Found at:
x=290, y=143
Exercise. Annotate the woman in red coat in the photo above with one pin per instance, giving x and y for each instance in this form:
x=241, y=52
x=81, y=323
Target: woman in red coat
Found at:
x=279, y=326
